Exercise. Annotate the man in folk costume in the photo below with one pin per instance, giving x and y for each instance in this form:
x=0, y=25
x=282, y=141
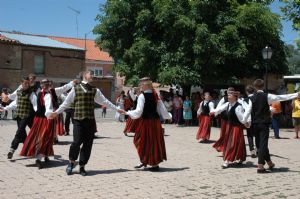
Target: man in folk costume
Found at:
x=261, y=119
x=234, y=143
x=83, y=95
x=204, y=118
x=25, y=105
x=149, y=139
x=250, y=133
x=39, y=142
x=219, y=144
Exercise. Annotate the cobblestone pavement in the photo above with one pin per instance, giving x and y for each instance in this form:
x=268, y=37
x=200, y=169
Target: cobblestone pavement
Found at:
x=193, y=169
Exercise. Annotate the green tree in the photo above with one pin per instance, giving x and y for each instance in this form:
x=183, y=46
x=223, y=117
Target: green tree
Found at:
x=190, y=41
x=291, y=9
x=293, y=60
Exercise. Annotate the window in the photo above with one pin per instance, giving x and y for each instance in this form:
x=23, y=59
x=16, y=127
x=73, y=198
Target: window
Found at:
x=98, y=72
x=39, y=67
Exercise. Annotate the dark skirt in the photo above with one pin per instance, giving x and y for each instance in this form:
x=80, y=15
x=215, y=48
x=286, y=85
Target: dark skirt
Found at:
x=59, y=125
x=40, y=138
x=219, y=144
x=149, y=142
x=131, y=125
x=234, y=144
x=204, y=127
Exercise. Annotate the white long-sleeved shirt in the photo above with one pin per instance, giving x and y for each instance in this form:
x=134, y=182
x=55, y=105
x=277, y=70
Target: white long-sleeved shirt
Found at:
x=99, y=99
x=132, y=95
x=210, y=105
x=14, y=104
x=273, y=98
x=13, y=95
x=137, y=113
x=239, y=111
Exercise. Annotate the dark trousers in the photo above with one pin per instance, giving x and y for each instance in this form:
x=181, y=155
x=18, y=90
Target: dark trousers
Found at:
x=83, y=133
x=21, y=132
x=69, y=117
x=262, y=132
x=251, y=135
x=275, y=124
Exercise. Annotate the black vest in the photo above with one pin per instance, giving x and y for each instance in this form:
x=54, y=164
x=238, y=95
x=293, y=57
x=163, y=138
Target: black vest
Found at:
x=260, y=108
x=150, y=106
x=224, y=114
x=205, y=108
x=40, y=112
x=232, y=118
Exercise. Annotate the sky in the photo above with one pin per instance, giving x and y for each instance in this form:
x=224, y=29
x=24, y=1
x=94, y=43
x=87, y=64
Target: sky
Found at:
x=56, y=17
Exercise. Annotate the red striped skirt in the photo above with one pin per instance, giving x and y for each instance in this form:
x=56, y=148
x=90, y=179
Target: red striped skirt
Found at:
x=204, y=127
x=234, y=147
x=149, y=142
x=59, y=125
x=40, y=138
x=219, y=144
x=131, y=125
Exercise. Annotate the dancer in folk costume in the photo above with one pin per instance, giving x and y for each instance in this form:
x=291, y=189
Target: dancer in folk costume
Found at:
x=84, y=96
x=25, y=105
x=58, y=121
x=250, y=133
x=39, y=142
x=132, y=124
x=204, y=118
x=149, y=139
x=261, y=119
x=219, y=144
x=234, y=143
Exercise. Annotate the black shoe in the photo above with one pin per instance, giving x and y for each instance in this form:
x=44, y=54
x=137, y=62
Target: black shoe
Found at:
x=46, y=159
x=140, y=166
x=39, y=164
x=56, y=140
x=82, y=171
x=10, y=155
x=277, y=137
x=154, y=168
x=70, y=168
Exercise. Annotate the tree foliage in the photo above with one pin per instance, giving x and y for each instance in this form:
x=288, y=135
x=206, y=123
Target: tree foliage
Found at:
x=190, y=41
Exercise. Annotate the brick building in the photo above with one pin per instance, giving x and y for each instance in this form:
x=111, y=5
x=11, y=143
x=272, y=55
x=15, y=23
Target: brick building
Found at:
x=21, y=54
x=100, y=62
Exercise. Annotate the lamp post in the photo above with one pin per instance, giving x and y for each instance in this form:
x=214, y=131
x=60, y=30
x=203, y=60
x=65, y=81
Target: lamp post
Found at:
x=267, y=54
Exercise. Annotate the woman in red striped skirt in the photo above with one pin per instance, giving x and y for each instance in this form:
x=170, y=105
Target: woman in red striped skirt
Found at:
x=219, y=144
x=39, y=142
x=149, y=139
x=234, y=142
x=204, y=118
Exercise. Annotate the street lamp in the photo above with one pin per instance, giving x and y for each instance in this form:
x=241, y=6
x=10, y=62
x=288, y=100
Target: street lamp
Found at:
x=267, y=54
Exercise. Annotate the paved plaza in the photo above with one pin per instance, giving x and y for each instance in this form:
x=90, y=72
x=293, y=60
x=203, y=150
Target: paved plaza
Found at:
x=193, y=169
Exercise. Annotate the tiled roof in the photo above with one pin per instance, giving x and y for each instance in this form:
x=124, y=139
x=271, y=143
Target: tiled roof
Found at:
x=92, y=51
x=37, y=40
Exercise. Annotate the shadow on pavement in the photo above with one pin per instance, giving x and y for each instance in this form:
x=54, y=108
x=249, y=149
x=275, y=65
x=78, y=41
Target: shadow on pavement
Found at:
x=282, y=170
x=51, y=164
x=63, y=143
x=207, y=141
x=243, y=165
x=165, y=169
x=277, y=156
x=97, y=172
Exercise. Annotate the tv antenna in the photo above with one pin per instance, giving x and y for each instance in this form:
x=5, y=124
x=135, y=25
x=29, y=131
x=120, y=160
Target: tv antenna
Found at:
x=77, y=12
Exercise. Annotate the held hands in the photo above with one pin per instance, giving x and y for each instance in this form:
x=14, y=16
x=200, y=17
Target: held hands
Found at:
x=247, y=125
x=1, y=109
x=52, y=115
x=212, y=114
x=121, y=111
x=75, y=81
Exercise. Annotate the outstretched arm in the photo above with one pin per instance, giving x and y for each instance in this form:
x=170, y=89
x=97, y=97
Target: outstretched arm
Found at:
x=101, y=99
x=135, y=114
